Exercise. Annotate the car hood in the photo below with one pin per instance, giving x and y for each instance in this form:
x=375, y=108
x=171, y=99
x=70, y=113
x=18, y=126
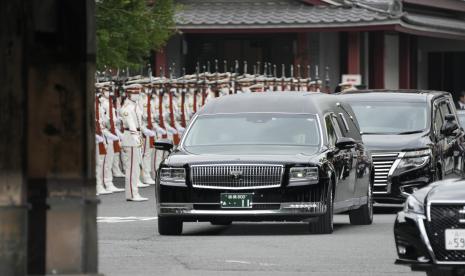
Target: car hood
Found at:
x=396, y=142
x=448, y=190
x=180, y=158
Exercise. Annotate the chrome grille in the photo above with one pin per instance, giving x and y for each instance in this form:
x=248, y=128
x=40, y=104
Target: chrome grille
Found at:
x=236, y=176
x=443, y=217
x=383, y=162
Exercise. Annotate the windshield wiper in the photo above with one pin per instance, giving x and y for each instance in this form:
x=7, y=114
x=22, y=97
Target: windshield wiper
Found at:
x=410, y=132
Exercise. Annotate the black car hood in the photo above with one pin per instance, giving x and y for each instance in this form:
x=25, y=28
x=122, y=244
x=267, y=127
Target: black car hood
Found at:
x=181, y=158
x=448, y=190
x=396, y=142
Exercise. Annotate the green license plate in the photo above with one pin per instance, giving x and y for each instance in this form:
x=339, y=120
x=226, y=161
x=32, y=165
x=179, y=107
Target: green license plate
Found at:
x=233, y=200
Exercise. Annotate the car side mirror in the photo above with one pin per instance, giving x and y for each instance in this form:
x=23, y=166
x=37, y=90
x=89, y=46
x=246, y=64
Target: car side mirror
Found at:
x=164, y=144
x=449, y=127
x=345, y=143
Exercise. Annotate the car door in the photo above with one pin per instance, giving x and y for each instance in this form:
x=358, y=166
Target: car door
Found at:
x=361, y=160
x=439, y=141
x=455, y=144
x=343, y=191
x=450, y=142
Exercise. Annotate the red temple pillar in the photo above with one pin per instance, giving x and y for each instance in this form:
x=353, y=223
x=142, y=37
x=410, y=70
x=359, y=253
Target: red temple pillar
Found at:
x=302, y=54
x=376, y=60
x=407, y=61
x=160, y=61
x=404, y=61
x=353, y=53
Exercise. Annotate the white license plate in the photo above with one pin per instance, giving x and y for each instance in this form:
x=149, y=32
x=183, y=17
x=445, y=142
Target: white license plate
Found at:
x=455, y=239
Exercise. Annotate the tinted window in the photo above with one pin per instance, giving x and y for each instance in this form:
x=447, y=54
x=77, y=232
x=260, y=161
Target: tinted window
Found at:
x=438, y=120
x=254, y=129
x=391, y=117
x=330, y=130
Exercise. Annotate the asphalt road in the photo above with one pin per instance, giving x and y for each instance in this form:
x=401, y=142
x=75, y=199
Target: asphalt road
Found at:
x=129, y=244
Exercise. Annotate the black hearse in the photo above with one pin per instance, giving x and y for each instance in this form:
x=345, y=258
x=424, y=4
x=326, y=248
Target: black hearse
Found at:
x=430, y=231
x=413, y=136
x=266, y=157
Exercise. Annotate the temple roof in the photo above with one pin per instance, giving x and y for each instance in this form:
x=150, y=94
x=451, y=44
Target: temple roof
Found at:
x=237, y=15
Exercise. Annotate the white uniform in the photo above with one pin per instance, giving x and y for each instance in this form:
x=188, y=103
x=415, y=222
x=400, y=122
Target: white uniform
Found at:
x=131, y=142
x=117, y=162
x=148, y=135
x=110, y=139
x=100, y=157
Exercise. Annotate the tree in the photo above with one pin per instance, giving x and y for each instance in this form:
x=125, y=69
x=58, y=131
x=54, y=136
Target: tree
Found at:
x=127, y=30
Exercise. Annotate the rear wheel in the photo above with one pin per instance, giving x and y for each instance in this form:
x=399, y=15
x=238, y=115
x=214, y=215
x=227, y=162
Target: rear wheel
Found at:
x=324, y=225
x=169, y=226
x=364, y=214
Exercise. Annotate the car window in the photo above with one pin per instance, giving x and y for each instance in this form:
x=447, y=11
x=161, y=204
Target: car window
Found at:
x=438, y=120
x=337, y=126
x=344, y=121
x=445, y=108
x=330, y=131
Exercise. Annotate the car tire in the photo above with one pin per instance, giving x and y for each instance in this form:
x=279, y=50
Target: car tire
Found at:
x=325, y=224
x=221, y=222
x=364, y=214
x=169, y=226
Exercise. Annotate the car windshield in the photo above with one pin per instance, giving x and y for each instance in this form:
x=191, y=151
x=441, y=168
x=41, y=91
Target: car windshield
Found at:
x=260, y=133
x=461, y=117
x=391, y=117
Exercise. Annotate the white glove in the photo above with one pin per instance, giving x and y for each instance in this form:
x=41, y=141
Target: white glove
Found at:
x=99, y=139
x=110, y=136
x=171, y=130
x=147, y=132
x=120, y=135
x=160, y=130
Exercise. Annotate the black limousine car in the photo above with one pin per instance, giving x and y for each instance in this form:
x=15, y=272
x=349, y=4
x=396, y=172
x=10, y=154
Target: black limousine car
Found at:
x=266, y=157
x=430, y=231
x=413, y=136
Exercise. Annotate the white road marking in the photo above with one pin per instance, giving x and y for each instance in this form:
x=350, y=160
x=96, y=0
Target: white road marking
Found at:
x=123, y=219
x=237, y=262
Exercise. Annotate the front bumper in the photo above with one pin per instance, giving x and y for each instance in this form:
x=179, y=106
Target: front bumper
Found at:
x=292, y=211
x=271, y=204
x=413, y=245
x=403, y=184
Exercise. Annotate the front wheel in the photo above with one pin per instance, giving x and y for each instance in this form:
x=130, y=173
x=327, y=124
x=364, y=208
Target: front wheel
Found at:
x=364, y=214
x=324, y=225
x=169, y=226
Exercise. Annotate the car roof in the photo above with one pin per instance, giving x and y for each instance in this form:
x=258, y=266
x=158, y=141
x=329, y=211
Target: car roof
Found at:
x=272, y=102
x=405, y=95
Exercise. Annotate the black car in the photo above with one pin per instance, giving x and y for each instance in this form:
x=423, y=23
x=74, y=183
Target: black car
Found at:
x=461, y=117
x=430, y=231
x=413, y=136
x=266, y=157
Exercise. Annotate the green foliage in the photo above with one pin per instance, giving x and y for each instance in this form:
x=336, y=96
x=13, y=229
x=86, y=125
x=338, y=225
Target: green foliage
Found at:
x=128, y=29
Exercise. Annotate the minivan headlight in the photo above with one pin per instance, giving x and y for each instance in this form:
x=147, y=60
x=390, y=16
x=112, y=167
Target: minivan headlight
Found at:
x=173, y=177
x=299, y=176
x=414, y=159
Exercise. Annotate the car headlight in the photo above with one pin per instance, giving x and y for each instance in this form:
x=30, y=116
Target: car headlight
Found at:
x=299, y=176
x=413, y=205
x=414, y=159
x=173, y=177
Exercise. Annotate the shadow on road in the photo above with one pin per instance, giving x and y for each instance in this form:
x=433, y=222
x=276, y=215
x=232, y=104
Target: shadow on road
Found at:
x=257, y=229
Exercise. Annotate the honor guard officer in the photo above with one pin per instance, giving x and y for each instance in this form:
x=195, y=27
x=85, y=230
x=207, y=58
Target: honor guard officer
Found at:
x=111, y=137
x=101, y=150
x=132, y=141
x=149, y=135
